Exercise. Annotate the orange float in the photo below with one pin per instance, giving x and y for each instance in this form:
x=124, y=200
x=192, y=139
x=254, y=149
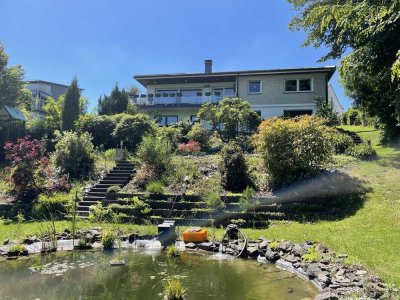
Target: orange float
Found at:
x=194, y=235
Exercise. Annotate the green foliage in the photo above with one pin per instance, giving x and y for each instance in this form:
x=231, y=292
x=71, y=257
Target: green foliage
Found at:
x=71, y=108
x=362, y=151
x=156, y=153
x=18, y=248
x=293, y=149
x=312, y=255
x=325, y=110
x=341, y=142
x=369, y=72
x=100, y=128
x=170, y=134
x=55, y=206
x=274, y=245
x=229, y=116
x=100, y=214
x=114, y=189
x=108, y=239
x=11, y=82
x=74, y=154
x=131, y=130
x=200, y=134
x=116, y=103
x=249, y=201
x=233, y=168
x=143, y=207
x=171, y=251
x=155, y=187
x=174, y=290
x=212, y=199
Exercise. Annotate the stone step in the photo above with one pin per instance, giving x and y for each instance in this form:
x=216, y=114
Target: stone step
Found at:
x=83, y=208
x=83, y=214
x=93, y=198
x=118, y=175
x=88, y=203
x=123, y=168
x=98, y=194
x=113, y=181
x=96, y=189
x=106, y=185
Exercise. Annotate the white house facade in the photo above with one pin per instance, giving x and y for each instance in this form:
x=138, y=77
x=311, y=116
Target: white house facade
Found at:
x=176, y=97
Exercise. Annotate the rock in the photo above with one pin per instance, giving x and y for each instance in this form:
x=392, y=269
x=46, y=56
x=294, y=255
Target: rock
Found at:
x=291, y=258
x=285, y=246
x=327, y=296
x=190, y=245
x=6, y=242
x=299, y=250
x=313, y=270
x=342, y=255
x=29, y=241
x=263, y=245
x=252, y=251
x=67, y=231
x=186, y=179
x=323, y=277
x=361, y=273
x=321, y=248
x=272, y=255
x=205, y=246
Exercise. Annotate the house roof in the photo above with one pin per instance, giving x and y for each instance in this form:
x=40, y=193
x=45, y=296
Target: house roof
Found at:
x=8, y=112
x=49, y=82
x=224, y=76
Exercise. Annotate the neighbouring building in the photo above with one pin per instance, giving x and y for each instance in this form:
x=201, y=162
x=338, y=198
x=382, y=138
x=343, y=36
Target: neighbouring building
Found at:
x=40, y=90
x=276, y=92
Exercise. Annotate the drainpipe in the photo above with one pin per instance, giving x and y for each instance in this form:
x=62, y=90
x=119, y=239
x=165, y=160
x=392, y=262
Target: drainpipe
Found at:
x=237, y=85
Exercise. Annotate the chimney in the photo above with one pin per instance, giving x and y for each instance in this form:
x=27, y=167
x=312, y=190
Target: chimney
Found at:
x=208, y=66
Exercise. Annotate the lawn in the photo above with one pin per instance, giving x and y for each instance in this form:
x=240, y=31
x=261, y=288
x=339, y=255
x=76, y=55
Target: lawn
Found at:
x=370, y=236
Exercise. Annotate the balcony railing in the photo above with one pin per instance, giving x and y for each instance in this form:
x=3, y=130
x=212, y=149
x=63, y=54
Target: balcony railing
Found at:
x=177, y=99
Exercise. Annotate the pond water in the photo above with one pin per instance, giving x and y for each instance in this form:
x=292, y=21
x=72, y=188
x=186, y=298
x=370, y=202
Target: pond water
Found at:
x=88, y=275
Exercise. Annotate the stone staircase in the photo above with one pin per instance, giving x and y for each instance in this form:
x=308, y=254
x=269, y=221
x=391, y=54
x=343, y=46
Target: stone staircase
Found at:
x=119, y=175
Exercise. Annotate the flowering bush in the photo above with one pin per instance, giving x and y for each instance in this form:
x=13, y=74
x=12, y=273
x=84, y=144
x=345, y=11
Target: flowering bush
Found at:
x=31, y=173
x=189, y=147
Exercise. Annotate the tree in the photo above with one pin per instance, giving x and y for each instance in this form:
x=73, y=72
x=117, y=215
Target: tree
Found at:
x=370, y=29
x=230, y=117
x=325, y=110
x=71, y=107
x=116, y=103
x=12, y=90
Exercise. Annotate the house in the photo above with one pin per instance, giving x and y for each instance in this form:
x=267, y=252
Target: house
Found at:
x=40, y=90
x=337, y=106
x=175, y=97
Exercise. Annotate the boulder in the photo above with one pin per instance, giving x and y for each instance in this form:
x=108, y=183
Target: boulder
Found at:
x=190, y=245
x=272, y=255
x=252, y=251
x=321, y=248
x=285, y=246
x=205, y=246
x=313, y=270
x=6, y=242
x=263, y=244
x=299, y=250
x=327, y=296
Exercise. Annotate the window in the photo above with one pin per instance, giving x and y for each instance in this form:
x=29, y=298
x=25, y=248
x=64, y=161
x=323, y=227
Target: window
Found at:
x=291, y=85
x=254, y=87
x=304, y=84
x=166, y=120
x=298, y=85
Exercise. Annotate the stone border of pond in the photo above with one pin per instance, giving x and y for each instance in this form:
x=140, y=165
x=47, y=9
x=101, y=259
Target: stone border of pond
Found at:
x=312, y=261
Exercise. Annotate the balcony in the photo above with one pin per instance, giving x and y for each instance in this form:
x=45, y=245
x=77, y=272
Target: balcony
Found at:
x=180, y=99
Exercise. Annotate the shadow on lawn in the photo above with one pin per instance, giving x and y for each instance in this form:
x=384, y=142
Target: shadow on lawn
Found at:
x=332, y=196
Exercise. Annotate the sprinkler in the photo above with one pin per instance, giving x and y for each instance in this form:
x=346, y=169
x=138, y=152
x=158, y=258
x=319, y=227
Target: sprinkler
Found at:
x=233, y=237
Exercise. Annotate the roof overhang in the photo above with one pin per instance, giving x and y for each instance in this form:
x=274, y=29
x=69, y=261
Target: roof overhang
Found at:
x=146, y=80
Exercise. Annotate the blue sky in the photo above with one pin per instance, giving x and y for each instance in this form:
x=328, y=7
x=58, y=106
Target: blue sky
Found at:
x=104, y=41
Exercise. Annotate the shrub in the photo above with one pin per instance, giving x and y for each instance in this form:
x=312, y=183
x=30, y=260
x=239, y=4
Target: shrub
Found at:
x=325, y=110
x=131, y=129
x=100, y=128
x=155, y=187
x=156, y=153
x=190, y=147
x=170, y=134
x=213, y=200
x=362, y=151
x=173, y=289
x=31, y=172
x=108, y=239
x=353, y=117
x=312, y=255
x=74, y=155
x=341, y=142
x=293, y=149
x=200, y=135
x=54, y=206
x=113, y=189
x=144, y=174
x=99, y=214
x=233, y=168
x=248, y=201
x=20, y=249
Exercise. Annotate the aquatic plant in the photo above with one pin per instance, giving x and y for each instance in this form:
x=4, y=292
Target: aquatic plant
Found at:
x=173, y=289
x=108, y=238
x=171, y=251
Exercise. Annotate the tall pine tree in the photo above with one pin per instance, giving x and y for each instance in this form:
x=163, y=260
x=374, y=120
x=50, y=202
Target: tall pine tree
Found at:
x=71, y=108
x=116, y=103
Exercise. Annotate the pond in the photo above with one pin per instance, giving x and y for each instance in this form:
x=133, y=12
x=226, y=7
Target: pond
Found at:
x=88, y=275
